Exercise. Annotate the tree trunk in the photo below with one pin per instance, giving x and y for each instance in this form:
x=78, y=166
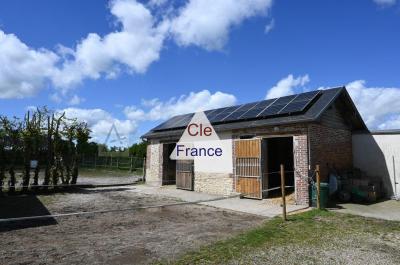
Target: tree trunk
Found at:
x=61, y=173
x=54, y=175
x=36, y=177
x=2, y=178
x=11, y=182
x=75, y=173
x=68, y=174
x=27, y=176
x=47, y=177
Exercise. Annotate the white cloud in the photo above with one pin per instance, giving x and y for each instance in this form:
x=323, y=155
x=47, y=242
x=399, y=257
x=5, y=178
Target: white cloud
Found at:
x=286, y=86
x=55, y=97
x=132, y=48
x=101, y=122
x=385, y=3
x=379, y=106
x=206, y=23
x=76, y=100
x=23, y=70
x=270, y=26
x=391, y=123
x=193, y=102
x=135, y=46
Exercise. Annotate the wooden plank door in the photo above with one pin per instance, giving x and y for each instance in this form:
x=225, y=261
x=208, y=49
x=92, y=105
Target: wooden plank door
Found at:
x=248, y=168
x=185, y=174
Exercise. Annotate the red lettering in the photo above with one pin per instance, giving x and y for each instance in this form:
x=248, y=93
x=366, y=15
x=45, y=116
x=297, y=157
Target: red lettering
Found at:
x=207, y=131
x=190, y=126
x=194, y=130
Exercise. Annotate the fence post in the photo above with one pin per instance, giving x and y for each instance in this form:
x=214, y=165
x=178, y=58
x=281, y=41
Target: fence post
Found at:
x=283, y=192
x=95, y=161
x=118, y=162
x=318, y=187
x=111, y=161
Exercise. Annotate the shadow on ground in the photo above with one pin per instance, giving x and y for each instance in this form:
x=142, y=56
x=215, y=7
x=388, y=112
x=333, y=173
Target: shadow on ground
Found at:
x=23, y=206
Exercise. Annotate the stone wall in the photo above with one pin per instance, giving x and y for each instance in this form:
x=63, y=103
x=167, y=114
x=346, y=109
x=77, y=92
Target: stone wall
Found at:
x=154, y=164
x=213, y=183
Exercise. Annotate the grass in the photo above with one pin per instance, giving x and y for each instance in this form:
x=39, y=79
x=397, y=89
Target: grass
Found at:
x=310, y=229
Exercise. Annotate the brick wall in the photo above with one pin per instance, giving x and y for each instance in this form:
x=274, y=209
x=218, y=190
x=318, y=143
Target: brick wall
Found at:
x=330, y=148
x=300, y=146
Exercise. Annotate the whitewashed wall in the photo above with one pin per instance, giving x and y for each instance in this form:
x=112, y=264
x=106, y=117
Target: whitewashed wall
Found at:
x=379, y=155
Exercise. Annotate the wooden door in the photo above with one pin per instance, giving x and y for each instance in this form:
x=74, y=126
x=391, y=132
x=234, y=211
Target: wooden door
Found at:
x=185, y=174
x=248, y=168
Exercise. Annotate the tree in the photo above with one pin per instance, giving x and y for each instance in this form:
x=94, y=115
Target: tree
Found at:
x=47, y=137
x=138, y=149
x=32, y=138
x=82, y=136
x=12, y=146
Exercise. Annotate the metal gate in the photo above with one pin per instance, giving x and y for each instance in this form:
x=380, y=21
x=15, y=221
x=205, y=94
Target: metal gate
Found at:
x=185, y=174
x=248, y=168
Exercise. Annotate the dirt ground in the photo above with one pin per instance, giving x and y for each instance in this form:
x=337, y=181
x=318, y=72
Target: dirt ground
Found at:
x=132, y=237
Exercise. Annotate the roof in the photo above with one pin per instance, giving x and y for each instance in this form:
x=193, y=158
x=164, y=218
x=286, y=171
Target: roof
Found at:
x=312, y=113
x=391, y=131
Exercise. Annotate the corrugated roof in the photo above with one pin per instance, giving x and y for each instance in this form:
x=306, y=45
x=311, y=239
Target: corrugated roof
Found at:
x=311, y=114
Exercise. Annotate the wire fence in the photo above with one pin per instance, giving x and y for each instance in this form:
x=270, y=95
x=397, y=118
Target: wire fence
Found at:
x=130, y=163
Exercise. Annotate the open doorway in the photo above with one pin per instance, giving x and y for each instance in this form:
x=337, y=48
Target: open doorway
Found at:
x=169, y=165
x=277, y=151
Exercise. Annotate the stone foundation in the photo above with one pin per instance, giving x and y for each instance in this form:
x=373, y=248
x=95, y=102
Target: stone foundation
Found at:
x=213, y=183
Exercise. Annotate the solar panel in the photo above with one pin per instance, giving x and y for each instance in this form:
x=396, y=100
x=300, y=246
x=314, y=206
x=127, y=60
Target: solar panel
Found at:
x=284, y=100
x=184, y=121
x=295, y=106
x=215, y=113
x=240, y=111
x=169, y=123
x=252, y=113
x=307, y=96
x=300, y=102
x=209, y=112
x=222, y=114
x=260, y=109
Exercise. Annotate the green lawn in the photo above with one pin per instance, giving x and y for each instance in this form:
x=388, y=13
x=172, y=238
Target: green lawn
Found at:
x=305, y=238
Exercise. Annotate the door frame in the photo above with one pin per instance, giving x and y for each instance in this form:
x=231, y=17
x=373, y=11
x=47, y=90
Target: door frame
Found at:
x=264, y=154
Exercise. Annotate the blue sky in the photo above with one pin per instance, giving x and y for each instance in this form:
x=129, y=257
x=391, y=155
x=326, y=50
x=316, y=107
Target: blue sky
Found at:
x=149, y=60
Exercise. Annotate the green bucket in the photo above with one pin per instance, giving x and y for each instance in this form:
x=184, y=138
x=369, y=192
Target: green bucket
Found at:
x=324, y=195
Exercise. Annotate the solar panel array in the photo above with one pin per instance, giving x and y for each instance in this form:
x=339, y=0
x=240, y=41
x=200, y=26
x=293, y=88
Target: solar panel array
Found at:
x=261, y=109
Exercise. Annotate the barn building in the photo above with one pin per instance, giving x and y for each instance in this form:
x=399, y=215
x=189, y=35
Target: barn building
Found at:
x=299, y=131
